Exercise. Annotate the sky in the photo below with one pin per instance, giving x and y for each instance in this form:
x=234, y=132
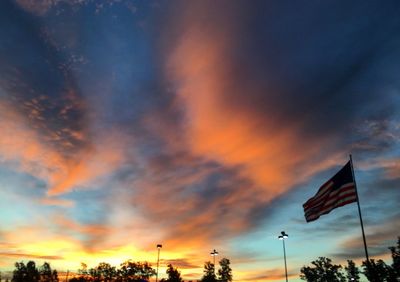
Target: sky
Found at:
x=197, y=125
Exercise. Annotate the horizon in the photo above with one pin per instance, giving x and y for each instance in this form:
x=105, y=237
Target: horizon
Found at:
x=198, y=125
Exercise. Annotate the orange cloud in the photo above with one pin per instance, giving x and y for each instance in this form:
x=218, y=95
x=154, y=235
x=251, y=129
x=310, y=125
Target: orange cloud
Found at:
x=26, y=146
x=272, y=153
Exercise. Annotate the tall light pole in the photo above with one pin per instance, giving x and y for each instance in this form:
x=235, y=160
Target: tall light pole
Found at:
x=214, y=253
x=282, y=237
x=159, y=246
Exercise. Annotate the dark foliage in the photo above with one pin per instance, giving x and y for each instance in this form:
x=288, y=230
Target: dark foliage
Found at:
x=225, y=271
x=209, y=272
x=322, y=271
x=173, y=275
x=352, y=271
x=374, y=270
x=395, y=250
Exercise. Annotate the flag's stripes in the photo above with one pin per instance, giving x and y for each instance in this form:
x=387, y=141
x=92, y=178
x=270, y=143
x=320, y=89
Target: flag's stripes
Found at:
x=347, y=189
x=322, y=193
x=340, y=203
x=344, y=196
x=338, y=198
x=338, y=191
x=341, y=197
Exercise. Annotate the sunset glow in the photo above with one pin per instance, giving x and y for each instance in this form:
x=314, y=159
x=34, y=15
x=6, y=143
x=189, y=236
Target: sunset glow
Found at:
x=198, y=125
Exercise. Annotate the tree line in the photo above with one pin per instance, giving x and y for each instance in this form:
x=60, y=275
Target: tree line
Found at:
x=30, y=272
x=323, y=270
x=128, y=271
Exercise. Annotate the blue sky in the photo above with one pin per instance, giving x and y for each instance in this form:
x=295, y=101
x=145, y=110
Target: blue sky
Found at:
x=200, y=125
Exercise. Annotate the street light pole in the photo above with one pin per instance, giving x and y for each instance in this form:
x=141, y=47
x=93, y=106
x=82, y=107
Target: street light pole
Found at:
x=159, y=246
x=214, y=253
x=283, y=237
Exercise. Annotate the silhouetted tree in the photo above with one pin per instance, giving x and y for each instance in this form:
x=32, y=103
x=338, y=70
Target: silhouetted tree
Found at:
x=55, y=276
x=107, y=271
x=83, y=273
x=352, y=271
x=127, y=272
x=395, y=250
x=32, y=271
x=45, y=272
x=84, y=269
x=379, y=271
x=323, y=271
x=103, y=272
x=209, y=272
x=94, y=274
x=19, y=273
x=25, y=273
x=225, y=272
x=135, y=271
x=173, y=274
x=145, y=271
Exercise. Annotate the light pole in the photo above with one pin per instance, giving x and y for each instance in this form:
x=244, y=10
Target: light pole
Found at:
x=282, y=237
x=159, y=246
x=214, y=253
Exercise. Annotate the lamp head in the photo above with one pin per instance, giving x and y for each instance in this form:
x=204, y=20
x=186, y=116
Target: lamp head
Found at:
x=214, y=253
x=283, y=236
x=159, y=246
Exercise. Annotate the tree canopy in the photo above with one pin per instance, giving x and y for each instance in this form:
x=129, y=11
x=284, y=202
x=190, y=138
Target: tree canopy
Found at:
x=322, y=271
x=225, y=271
x=208, y=272
x=173, y=275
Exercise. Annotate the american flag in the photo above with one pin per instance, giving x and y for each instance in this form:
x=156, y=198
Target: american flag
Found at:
x=338, y=191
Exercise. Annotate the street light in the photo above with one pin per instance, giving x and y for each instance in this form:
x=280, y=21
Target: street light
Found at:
x=214, y=253
x=282, y=237
x=159, y=246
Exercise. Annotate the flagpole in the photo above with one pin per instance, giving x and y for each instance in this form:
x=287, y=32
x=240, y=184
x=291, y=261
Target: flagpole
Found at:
x=359, y=209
